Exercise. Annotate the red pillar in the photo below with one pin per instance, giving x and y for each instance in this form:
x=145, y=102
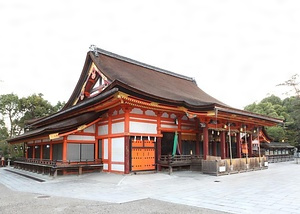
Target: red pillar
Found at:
x=223, y=147
x=158, y=152
x=238, y=146
x=127, y=142
x=126, y=128
x=51, y=151
x=65, y=147
x=26, y=150
x=96, y=155
x=197, y=144
x=214, y=144
x=127, y=155
x=41, y=152
x=205, y=142
x=250, y=152
x=33, y=151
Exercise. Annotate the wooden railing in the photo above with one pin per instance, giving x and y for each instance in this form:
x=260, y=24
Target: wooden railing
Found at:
x=51, y=167
x=227, y=166
x=280, y=158
x=171, y=161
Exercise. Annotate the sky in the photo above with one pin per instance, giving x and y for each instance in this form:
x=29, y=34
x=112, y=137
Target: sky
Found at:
x=237, y=51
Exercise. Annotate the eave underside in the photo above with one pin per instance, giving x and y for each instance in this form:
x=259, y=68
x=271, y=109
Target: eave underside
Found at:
x=65, y=122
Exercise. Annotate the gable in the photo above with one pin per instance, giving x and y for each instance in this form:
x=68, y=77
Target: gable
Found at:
x=95, y=82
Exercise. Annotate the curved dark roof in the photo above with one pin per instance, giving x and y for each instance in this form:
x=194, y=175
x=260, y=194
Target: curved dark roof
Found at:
x=277, y=145
x=145, y=80
x=153, y=82
x=62, y=126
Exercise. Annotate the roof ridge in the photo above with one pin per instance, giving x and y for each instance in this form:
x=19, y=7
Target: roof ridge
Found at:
x=97, y=50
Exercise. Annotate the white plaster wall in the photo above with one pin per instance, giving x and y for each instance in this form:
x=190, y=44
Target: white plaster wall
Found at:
x=165, y=115
x=150, y=113
x=81, y=137
x=90, y=129
x=117, y=149
x=139, y=127
x=105, y=148
x=105, y=166
x=136, y=111
x=103, y=130
x=118, y=167
x=118, y=127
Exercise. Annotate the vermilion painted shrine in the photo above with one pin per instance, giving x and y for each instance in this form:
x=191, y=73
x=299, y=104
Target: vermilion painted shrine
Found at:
x=127, y=116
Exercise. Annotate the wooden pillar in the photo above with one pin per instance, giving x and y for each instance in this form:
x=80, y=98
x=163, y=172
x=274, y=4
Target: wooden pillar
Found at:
x=197, y=152
x=109, y=141
x=179, y=134
x=214, y=148
x=223, y=144
x=158, y=152
x=33, y=151
x=127, y=142
x=64, y=150
x=226, y=145
x=205, y=142
x=26, y=150
x=250, y=152
x=127, y=155
x=51, y=151
x=158, y=141
x=197, y=144
x=96, y=155
x=41, y=152
x=126, y=125
x=238, y=146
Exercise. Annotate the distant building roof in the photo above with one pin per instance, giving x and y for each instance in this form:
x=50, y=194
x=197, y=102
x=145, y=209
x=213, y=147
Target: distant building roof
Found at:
x=277, y=145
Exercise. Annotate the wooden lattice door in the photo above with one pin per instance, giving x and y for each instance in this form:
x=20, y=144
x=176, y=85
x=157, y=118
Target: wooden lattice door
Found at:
x=142, y=155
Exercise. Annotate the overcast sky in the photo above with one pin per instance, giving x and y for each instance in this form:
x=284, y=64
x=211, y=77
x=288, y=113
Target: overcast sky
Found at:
x=238, y=51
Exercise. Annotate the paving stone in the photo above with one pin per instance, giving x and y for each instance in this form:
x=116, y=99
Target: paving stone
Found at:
x=265, y=191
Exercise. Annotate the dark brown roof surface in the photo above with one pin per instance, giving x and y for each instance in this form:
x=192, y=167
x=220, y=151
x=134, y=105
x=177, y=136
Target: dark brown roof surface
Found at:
x=143, y=79
x=152, y=81
x=62, y=126
x=277, y=145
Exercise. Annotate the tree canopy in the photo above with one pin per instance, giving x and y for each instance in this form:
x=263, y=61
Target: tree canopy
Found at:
x=16, y=111
x=287, y=109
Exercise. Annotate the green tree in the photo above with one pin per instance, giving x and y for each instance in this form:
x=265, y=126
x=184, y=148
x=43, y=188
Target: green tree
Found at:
x=294, y=83
x=10, y=107
x=3, y=137
x=272, y=106
x=288, y=110
x=35, y=106
x=18, y=111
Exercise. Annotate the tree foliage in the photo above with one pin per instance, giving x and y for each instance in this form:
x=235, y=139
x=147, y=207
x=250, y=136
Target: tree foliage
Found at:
x=287, y=110
x=10, y=107
x=17, y=111
x=293, y=82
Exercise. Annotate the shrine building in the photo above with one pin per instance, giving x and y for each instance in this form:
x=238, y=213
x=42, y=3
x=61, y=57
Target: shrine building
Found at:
x=125, y=116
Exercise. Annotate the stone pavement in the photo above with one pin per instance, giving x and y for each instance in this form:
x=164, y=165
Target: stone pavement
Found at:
x=275, y=190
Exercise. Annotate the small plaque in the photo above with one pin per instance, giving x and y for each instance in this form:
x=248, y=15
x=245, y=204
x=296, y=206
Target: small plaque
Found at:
x=222, y=168
x=53, y=136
